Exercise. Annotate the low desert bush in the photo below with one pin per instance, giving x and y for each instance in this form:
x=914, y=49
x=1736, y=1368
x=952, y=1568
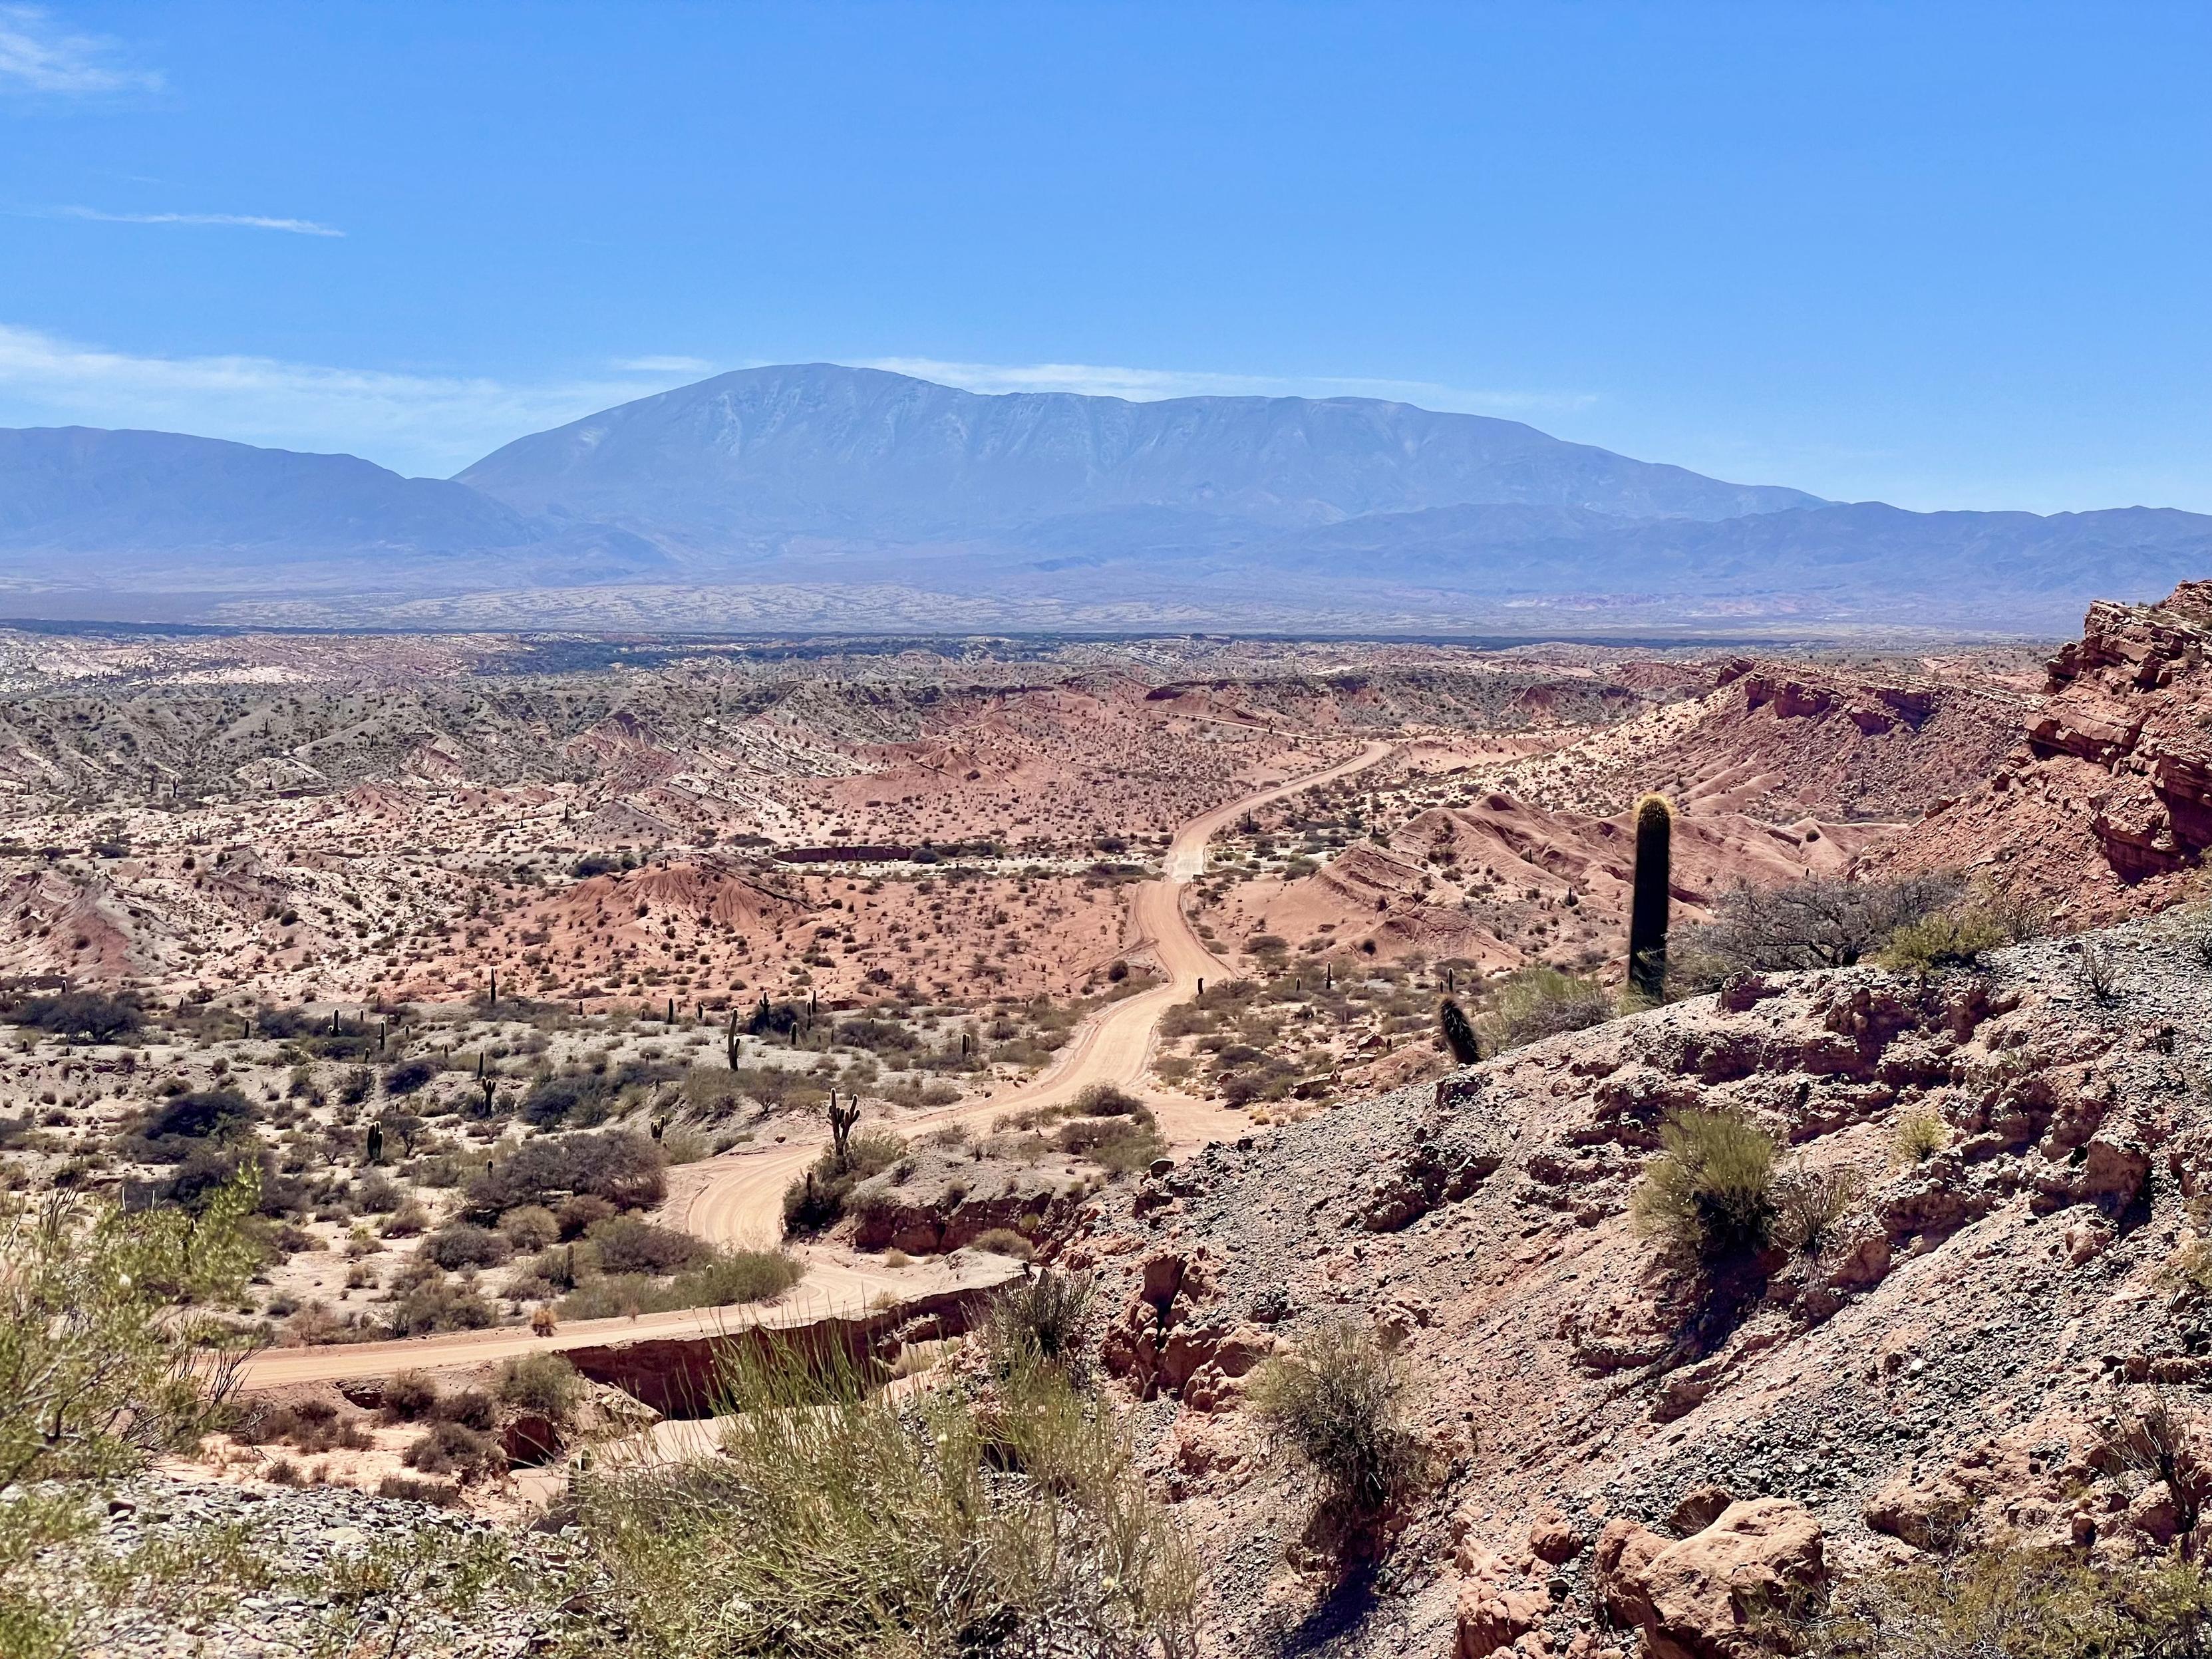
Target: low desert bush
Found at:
x=1339, y=1405
x=725, y=1280
x=92, y=1015
x=618, y=1166
x=629, y=1244
x=1810, y=1205
x=407, y=1077
x=871, y=1151
x=1919, y=1135
x=1710, y=1190
x=1043, y=1320
x=1003, y=1241
x=409, y=1396
x=1538, y=1002
x=1106, y=1100
x=2016, y=1602
x=1953, y=939
x=423, y=1305
x=462, y=1245
x=836, y=1520
x=311, y=1426
x=456, y=1450
x=1119, y=1143
x=542, y=1383
x=473, y=1409
x=530, y=1228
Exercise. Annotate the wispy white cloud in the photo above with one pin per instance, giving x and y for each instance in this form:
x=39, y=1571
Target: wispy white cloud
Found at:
x=37, y=54
x=424, y=424
x=239, y=221
x=1150, y=385
x=664, y=365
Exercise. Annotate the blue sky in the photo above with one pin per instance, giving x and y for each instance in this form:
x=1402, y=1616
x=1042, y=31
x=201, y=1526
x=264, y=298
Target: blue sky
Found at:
x=1941, y=255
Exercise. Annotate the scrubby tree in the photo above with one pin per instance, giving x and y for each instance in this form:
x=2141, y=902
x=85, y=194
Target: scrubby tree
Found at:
x=1821, y=921
x=106, y=1359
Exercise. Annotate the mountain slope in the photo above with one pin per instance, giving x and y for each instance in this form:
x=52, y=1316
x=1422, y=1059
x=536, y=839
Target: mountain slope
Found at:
x=1858, y=549
x=185, y=509
x=817, y=449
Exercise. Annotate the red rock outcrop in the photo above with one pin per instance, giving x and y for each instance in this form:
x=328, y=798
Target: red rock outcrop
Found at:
x=1710, y=1595
x=2104, y=808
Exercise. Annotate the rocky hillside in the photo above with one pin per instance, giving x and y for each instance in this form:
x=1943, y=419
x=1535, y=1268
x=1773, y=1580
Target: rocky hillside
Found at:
x=1629, y=1441
x=2102, y=807
x=1785, y=740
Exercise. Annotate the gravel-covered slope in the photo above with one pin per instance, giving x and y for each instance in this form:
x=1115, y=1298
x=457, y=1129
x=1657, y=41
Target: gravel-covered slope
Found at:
x=1977, y=1314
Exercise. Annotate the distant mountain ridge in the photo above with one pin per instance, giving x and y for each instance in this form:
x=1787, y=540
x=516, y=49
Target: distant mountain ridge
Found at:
x=819, y=449
x=913, y=502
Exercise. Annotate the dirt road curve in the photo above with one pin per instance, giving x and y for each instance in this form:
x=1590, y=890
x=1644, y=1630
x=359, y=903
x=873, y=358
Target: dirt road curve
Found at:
x=738, y=1197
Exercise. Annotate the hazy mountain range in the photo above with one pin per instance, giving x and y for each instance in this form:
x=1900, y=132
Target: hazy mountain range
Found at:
x=894, y=499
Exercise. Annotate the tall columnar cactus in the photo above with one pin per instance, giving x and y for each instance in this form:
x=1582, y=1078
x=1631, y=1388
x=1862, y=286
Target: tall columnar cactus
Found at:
x=1458, y=1033
x=841, y=1120
x=1647, y=909
x=731, y=1045
x=376, y=1143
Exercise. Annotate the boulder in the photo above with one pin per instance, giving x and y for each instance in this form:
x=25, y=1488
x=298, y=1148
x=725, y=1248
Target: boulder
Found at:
x=1491, y=1619
x=1552, y=1538
x=1699, y=1508
x=1709, y=1595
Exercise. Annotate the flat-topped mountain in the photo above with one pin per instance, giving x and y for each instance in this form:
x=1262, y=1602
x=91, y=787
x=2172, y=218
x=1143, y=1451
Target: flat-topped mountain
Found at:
x=820, y=449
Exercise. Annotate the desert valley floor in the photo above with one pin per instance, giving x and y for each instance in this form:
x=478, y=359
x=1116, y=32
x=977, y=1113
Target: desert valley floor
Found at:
x=627, y=999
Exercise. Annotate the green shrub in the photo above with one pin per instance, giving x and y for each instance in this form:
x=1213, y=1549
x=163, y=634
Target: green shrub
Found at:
x=544, y=1384
x=530, y=1228
x=104, y=1360
x=726, y=1280
x=409, y=1395
x=456, y=1450
x=1105, y=1100
x=1003, y=1241
x=428, y=1304
x=1043, y=1320
x=837, y=1521
x=92, y=1015
x=1919, y=1135
x=871, y=1151
x=2015, y=1603
x=1339, y=1405
x=1949, y=940
x=1539, y=1002
x=1121, y=1144
x=629, y=1244
x=1710, y=1190
x=461, y=1244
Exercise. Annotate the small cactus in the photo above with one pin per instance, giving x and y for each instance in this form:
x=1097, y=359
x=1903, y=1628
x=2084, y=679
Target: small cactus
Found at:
x=1647, y=910
x=1458, y=1033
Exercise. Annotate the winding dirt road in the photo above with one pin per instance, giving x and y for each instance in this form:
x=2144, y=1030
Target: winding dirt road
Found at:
x=737, y=1198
